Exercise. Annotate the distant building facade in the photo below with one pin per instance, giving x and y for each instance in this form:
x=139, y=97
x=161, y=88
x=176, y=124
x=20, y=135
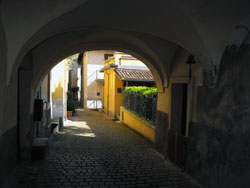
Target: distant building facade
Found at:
x=93, y=79
x=122, y=70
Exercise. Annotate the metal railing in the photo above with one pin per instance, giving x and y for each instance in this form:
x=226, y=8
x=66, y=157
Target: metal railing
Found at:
x=94, y=104
x=94, y=76
x=143, y=105
x=177, y=146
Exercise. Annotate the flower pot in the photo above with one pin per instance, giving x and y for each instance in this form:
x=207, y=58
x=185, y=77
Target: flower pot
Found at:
x=69, y=113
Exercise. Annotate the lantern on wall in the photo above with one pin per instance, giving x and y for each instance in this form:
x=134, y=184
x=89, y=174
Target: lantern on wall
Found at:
x=190, y=61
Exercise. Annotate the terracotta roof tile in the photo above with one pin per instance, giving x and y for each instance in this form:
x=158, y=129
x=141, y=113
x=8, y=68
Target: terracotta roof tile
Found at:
x=134, y=75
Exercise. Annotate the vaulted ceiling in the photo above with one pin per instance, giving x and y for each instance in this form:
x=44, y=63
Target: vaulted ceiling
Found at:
x=155, y=30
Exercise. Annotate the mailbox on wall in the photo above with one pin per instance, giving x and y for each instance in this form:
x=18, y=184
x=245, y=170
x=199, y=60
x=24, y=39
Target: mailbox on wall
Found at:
x=38, y=109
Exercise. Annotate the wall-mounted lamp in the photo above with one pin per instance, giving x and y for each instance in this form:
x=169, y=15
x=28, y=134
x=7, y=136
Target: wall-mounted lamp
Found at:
x=190, y=61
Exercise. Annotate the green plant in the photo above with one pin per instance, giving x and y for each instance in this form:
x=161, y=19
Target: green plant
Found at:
x=69, y=95
x=142, y=100
x=75, y=89
x=150, y=91
x=141, y=90
x=71, y=105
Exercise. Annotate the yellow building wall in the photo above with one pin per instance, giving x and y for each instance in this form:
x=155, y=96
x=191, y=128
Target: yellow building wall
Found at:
x=105, y=93
x=137, y=123
x=111, y=92
x=118, y=97
x=112, y=100
x=180, y=74
x=85, y=79
x=109, y=61
x=109, y=95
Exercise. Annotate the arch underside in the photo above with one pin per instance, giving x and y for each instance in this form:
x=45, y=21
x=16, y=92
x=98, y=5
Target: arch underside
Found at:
x=158, y=55
x=158, y=41
x=159, y=38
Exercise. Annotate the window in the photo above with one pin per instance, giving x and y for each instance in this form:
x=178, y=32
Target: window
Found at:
x=106, y=56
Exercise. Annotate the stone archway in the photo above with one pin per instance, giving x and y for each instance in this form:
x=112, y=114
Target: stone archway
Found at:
x=42, y=58
x=8, y=134
x=159, y=55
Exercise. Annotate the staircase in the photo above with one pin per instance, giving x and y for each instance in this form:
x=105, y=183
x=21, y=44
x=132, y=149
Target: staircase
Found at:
x=94, y=76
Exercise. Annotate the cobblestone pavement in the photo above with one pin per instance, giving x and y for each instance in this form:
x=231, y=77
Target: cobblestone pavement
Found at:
x=95, y=152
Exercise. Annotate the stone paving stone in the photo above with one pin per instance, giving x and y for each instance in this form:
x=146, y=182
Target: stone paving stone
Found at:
x=94, y=151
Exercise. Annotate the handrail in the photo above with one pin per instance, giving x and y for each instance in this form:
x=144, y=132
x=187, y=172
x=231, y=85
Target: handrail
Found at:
x=94, y=103
x=91, y=103
x=94, y=76
x=94, y=73
x=143, y=105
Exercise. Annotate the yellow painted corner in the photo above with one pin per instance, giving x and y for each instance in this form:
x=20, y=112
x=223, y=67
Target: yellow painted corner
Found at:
x=137, y=123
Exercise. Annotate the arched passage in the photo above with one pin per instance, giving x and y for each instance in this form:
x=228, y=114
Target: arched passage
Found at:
x=166, y=60
x=188, y=25
x=42, y=58
x=8, y=137
x=56, y=48
x=82, y=20
x=52, y=61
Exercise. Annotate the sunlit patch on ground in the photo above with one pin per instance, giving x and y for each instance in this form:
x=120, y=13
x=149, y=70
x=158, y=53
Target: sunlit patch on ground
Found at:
x=86, y=134
x=78, y=128
x=78, y=124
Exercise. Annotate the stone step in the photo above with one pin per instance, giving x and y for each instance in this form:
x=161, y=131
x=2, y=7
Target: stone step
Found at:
x=39, y=148
x=54, y=127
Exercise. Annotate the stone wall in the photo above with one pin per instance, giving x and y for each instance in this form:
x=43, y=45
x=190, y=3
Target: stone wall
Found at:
x=219, y=145
x=3, y=70
x=8, y=153
x=218, y=159
x=161, y=131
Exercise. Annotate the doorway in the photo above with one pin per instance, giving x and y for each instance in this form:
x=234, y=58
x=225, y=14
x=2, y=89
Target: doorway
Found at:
x=176, y=134
x=179, y=107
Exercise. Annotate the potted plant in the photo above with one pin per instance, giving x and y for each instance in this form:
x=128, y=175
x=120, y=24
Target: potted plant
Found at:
x=70, y=104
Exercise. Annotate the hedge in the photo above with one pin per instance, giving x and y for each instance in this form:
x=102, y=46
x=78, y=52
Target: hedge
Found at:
x=142, y=100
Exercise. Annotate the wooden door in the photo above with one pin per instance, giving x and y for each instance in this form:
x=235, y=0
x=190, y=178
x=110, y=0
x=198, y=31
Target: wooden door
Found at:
x=179, y=108
x=176, y=134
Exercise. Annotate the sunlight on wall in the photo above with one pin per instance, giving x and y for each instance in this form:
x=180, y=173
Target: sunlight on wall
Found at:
x=57, y=90
x=57, y=77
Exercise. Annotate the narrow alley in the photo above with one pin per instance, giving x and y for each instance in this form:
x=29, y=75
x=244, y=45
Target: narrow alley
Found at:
x=94, y=151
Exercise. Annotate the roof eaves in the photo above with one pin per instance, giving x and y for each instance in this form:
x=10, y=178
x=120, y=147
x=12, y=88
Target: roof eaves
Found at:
x=117, y=74
x=134, y=80
x=107, y=67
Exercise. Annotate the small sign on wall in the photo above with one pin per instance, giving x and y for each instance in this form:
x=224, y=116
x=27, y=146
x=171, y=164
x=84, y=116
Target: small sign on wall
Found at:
x=119, y=91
